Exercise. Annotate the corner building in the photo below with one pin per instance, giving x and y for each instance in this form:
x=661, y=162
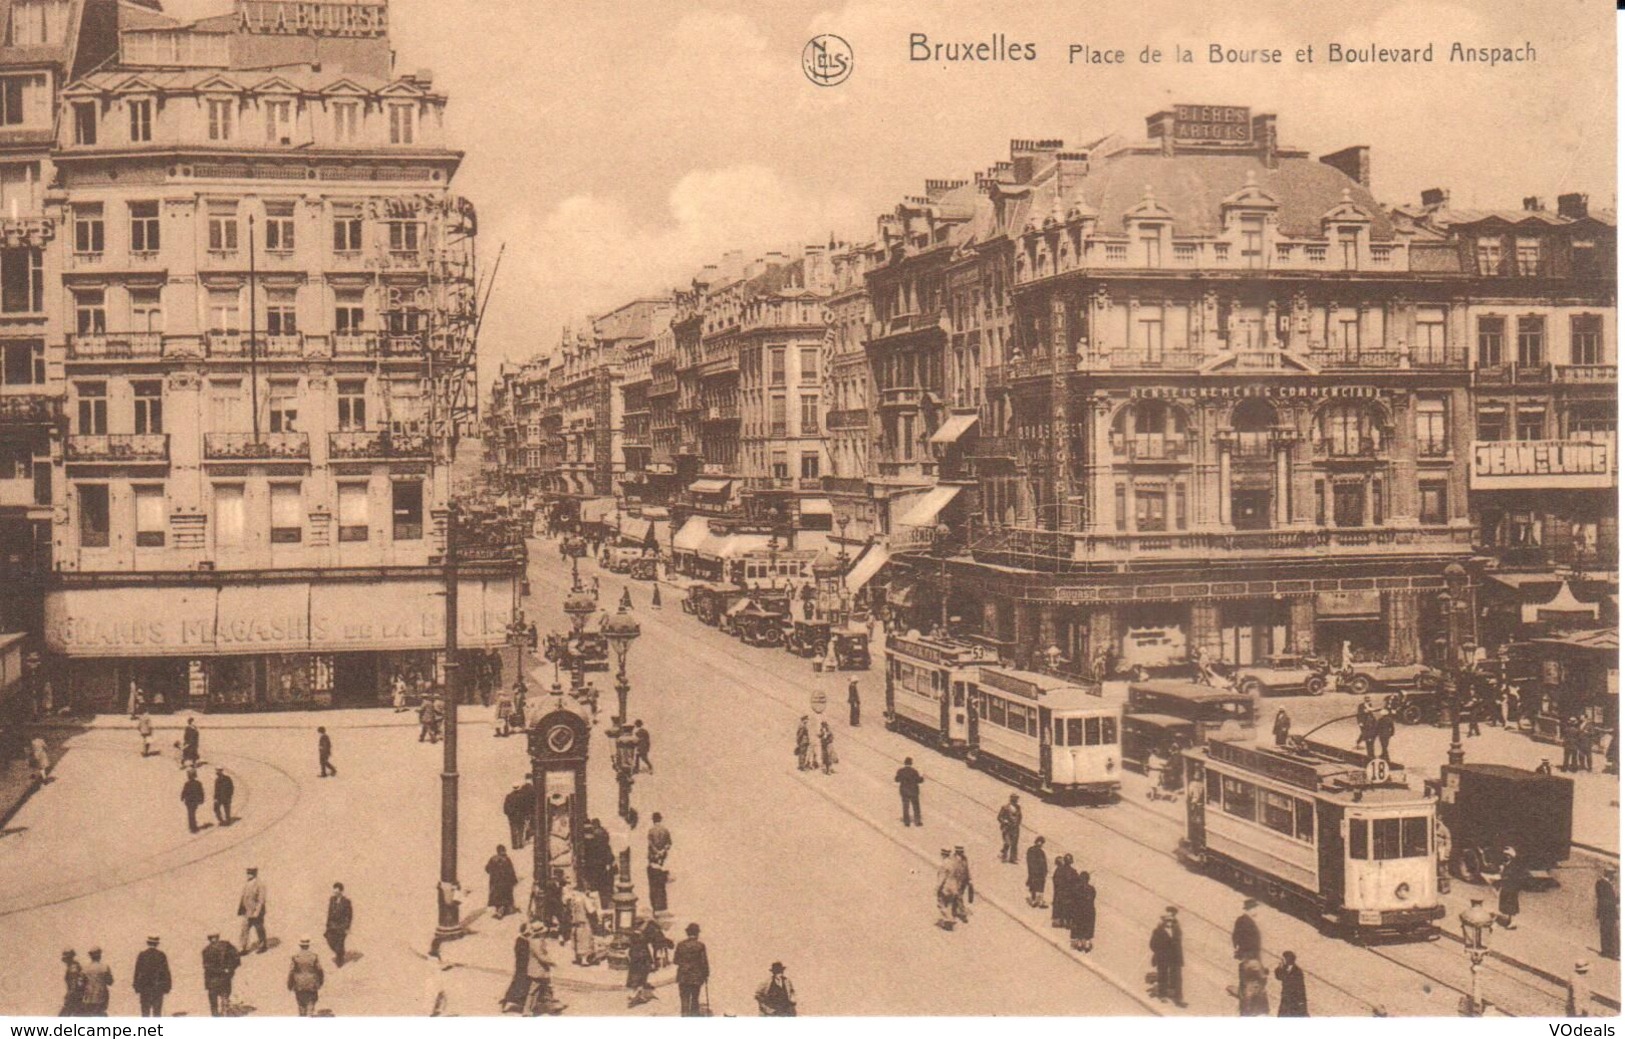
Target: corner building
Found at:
x=263, y=275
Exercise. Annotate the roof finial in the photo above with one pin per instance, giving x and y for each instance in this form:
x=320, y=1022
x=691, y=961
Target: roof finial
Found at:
x=1252, y=178
x=1346, y=196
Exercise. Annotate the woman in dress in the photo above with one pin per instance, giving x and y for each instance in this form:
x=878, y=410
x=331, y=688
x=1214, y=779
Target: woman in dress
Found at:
x=584, y=949
x=1083, y=913
x=639, y=962
x=1064, y=885
x=826, y=747
x=513, y=1000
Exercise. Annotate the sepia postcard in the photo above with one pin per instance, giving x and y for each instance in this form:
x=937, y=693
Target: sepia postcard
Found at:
x=1100, y=509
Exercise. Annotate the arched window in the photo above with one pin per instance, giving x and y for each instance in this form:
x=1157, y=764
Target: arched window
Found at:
x=1253, y=420
x=1349, y=429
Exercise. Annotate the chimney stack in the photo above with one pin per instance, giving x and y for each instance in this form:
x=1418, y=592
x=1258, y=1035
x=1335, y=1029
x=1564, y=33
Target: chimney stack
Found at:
x=1435, y=198
x=1264, y=138
x=1574, y=205
x=1160, y=128
x=1533, y=204
x=1354, y=163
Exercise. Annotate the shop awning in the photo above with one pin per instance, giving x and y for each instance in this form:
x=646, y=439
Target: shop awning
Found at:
x=924, y=511
x=1543, y=584
x=597, y=510
x=692, y=535
x=1603, y=641
x=867, y=566
x=710, y=486
x=1348, y=606
x=950, y=431
x=816, y=507
x=634, y=531
x=1562, y=606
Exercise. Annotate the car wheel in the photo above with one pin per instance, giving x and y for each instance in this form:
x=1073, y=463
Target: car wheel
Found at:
x=1314, y=685
x=1252, y=687
x=1360, y=685
x=1410, y=714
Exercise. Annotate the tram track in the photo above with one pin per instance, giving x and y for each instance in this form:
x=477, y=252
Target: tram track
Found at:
x=737, y=656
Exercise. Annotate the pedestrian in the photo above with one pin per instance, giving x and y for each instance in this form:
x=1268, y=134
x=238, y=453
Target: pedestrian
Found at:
x=513, y=806
x=1544, y=768
x=437, y=1000
x=220, y=963
x=654, y=598
x=1245, y=941
x=340, y=916
x=826, y=747
x=1062, y=887
x=192, y=797
x=1368, y=732
x=640, y=963
x=599, y=858
x=693, y=970
x=644, y=740
x=513, y=1000
x=1585, y=734
x=803, y=745
x=305, y=978
x=224, y=790
x=143, y=726
x=1083, y=913
x=1168, y=959
x=251, y=907
x=1579, y=991
x=324, y=753
x=503, y=878
x=1009, y=819
x=908, y=781
x=1514, y=878
x=41, y=759
x=776, y=997
x=151, y=979
x=73, y=985
x=1252, y=993
x=967, y=889
x=1608, y=913
x=1294, y=997
x=97, y=990
x=626, y=597
x=426, y=721
x=1282, y=727
x=499, y=716
x=947, y=891
x=191, y=744
x=659, y=874
x=583, y=941
x=1473, y=707
x=1037, y=872
x=1385, y=732
x=397, y=694
x=854, y=704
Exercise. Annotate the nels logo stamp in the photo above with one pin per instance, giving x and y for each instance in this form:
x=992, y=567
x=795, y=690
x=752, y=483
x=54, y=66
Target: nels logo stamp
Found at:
x=827, y=60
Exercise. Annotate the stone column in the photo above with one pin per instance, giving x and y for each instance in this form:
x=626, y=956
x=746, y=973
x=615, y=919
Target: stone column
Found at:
x=1401, y=610
x=1204, y=631
x=1300, y=632
x=1102, y=518
x=1026, y=633
x=1225, y=442
x=1283, y=481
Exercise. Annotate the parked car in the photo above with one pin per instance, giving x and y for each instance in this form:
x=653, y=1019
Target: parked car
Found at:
x=1283, y=675
x=618, y=559
x=1369, y=676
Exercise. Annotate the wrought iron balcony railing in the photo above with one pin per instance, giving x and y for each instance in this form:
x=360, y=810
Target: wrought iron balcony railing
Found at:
x=265, y=446
x=350, y=445
x=118, y=447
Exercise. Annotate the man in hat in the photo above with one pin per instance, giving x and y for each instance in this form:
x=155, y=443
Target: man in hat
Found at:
x=1245, y=940
x=948, y=891
x=693, y=970
x=513, y=806
x=220, y=963
x=1608, y=913
x=854, y=704
x=1037, y=873
x=643, y=742
x=224, y=790
x=151, y=980
x=539, y=973
x=659, y=849
x=776, y=997
x=324, y=752
x=340, y=916
x=1010, y=828
x=305, y=978
x=967, y=889
x=1168, y=958
x=908, y=781
x=73, y=985
x=1514, y=878
x=191, y=744
x=98, y=984
x=192, y=798
x=251, y=907
x=1580, y=992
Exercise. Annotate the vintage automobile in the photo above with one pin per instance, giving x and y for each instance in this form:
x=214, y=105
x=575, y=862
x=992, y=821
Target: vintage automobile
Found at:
x=589, y=651
x=758, y=627
x=575, y=545
x=851, y=649
x=643, y=568
x=1487, y=808
x=1415, y=706
x=1283, y=675
x=714, y=599
x=1370, y=676
x=618, y=559
x=807, y=638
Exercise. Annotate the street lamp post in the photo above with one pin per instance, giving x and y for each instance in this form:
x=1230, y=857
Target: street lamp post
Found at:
x=621, y=631
x=1477, y=924
x=579, y=604
x=1453, y=602
x=841, y=558
x=449, y=917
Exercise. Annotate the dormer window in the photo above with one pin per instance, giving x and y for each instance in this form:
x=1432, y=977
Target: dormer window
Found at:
x=346, y=121
x=279, y=122
x=1150, y=247
x=1252, y=240
x=1528, y=257
x=402, y=124
x=84, y=122
x=1489, y=256
x=220, y=118
x=1348, y=243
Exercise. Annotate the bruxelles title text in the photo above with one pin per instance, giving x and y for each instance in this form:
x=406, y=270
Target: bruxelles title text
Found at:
x=1000, y=48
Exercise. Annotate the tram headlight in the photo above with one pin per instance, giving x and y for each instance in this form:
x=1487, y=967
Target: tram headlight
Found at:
x=1403, y=892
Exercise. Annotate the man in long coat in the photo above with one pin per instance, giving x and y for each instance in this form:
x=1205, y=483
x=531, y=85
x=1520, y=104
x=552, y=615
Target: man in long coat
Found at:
x=1168, y=958
x=251, y=907
x=73, y=985
x=151, y=979
x=693, y=970
x=1294, y=997
x=1514, y=878
x=340, y=917
x=1245, y=941
x=503, y=879
x=224, y=790
x=220, y=963
x=1062, y=886
x=659, y=849
x=192, y=798
x=513, y=806
x=1608, y=914
x=191, y=744
x=305, y=978
x=98, y=985
x=1037, y=873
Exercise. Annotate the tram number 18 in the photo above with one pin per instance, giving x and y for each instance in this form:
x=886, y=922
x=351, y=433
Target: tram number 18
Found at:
x=1376, y=771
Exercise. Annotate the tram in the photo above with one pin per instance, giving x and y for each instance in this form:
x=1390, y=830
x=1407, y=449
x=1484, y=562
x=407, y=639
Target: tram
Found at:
x=1046, y=734
x=927, y=683
x=1316, y=830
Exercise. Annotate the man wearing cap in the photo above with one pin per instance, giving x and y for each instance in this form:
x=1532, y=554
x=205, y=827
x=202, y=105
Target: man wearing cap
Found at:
x=1579, y=1001
x=98, y=985
x=776, y=997
x=305, y=978
x=220, y=963
x=1010, y=828
x=251, y=907
x=151, y=980
x=1608, y=913
x=192, y=798
x=224, y=790
x=1245, y=941
x=73, y=985
x=693, y=970
x=340, y=917
x=1168, y=958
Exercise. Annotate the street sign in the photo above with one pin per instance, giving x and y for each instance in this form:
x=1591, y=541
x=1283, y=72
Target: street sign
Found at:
x=819, y=701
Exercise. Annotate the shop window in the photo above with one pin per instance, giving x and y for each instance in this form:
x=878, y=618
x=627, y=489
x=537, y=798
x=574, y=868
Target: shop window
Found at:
x=407, y=508
x=149, y=517
x=95, y=517
x=287, y=526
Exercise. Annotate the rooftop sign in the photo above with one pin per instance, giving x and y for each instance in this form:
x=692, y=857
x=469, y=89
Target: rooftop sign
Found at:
x=1226, y=124
x=282, y=18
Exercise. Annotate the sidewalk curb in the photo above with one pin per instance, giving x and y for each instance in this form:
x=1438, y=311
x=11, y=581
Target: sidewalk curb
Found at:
x=1611, y=1002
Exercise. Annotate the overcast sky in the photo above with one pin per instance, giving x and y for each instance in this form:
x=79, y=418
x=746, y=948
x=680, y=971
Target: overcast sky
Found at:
x=618, y=146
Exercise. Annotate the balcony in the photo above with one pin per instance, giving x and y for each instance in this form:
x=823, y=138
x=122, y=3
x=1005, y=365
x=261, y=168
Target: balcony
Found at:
x=1365, y=450
x=908, y=324
x=1588, y=374
x=291, y=344
x=1166, y=361
x=855, y=418
x=1147, y=448
x=1382, y=360
x=355, y=344
x=1543, y=465
x=116, y=346
x=374, y=445
x=237, y=344
x=118, y=447
x=36, y=409
x=900, y=397
x=1511, y=374
x=1047, y=549
x=235, y=447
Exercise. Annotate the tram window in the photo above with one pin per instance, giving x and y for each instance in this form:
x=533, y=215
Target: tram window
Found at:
x=1091, y=732
x=1306, y=820
x=1413, y=837
x=1385, y=839
x=959, y=694
x=1108, y=731
x=995, y=711
x=1213, y=788
x=1277, y=812
x=1240, y=799
x=1358, y=840
x=1074, y=732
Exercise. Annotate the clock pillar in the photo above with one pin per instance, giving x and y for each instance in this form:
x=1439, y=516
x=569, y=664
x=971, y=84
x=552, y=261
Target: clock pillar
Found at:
x=558, y=758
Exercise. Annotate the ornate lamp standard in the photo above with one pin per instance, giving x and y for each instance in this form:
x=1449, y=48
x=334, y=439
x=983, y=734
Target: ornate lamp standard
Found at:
x=1477, y=924
x=621, y=631
x=579, y=604
x=1454, y=603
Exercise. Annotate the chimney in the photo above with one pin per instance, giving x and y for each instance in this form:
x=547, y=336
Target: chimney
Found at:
x=424, y=77
x=707, y=277
x=733, y=262
x=775, y=258
x=1435, y=198
x=1533, y=204
x=1027, y=155
x=1159, y=127
x=1264, y=138
x=1574, y=205
x=1354, y=163
x=935, y=189
x=1073, y=167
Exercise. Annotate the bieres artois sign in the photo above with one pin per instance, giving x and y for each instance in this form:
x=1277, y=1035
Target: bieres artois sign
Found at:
x=1232, y=124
